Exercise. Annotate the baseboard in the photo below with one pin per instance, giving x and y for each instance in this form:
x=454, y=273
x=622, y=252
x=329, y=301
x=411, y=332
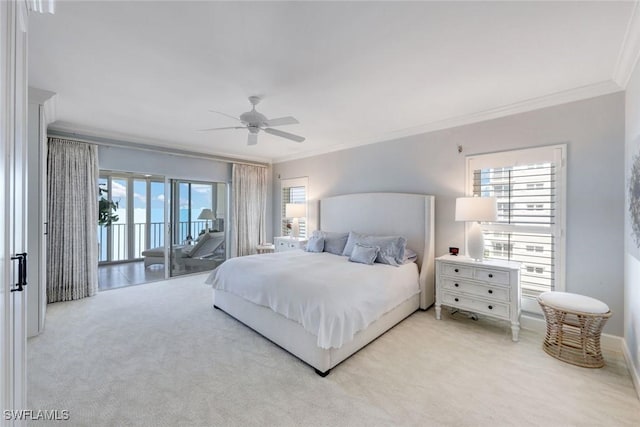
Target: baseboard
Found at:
x=608, y=342
x=635, y=375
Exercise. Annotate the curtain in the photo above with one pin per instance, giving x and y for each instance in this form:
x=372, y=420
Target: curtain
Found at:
x=249, y=192
x=72, y=244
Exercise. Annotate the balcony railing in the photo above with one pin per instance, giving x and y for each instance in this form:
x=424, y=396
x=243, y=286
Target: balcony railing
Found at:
x=121, y=234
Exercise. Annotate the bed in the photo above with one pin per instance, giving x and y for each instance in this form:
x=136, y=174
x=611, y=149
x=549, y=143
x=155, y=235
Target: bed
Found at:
x=323, y=347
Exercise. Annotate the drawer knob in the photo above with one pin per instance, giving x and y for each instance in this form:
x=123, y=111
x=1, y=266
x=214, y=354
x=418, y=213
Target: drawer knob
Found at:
x=490, y=307
x=490, y=291
x=456, y=270
x=456, y=285
x=490, y=275
x=455, y=299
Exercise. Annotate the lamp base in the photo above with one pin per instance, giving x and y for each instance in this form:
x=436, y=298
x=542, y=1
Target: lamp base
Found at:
x=475, y=242
x=295, y=228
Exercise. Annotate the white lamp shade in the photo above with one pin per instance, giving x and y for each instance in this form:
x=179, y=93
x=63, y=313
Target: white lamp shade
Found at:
x=207, y=214
x=476, y=209
x=295, y=210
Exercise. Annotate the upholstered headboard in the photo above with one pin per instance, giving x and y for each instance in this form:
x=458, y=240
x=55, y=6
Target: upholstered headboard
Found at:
x=407, y=215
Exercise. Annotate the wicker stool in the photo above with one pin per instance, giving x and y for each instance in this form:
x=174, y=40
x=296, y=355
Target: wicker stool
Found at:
x=574, y=325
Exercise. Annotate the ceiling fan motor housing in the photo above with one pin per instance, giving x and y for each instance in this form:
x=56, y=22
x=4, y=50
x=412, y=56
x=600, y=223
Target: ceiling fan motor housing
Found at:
x=253, y=118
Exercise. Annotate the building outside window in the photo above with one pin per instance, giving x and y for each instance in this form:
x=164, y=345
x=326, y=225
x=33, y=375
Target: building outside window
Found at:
x=529, y=187
x=293, y=191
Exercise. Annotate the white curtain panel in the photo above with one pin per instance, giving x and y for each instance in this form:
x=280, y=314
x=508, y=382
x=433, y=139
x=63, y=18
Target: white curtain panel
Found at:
x=72, y=244
x=249, y=192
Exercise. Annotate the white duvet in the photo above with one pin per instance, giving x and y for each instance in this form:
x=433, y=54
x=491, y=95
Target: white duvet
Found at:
x=329, y=296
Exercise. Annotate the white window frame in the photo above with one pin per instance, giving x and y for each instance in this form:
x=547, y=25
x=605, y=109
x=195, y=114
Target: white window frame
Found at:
x=295, y=182
x=528, y=156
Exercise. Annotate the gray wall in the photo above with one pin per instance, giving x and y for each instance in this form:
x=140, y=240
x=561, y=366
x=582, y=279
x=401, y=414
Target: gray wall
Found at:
x=632, y=252
x=168, y=165
x=430, y=163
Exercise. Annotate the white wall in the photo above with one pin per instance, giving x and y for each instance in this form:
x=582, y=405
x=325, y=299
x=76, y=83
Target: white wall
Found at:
x=430, y=163
x=632, y=252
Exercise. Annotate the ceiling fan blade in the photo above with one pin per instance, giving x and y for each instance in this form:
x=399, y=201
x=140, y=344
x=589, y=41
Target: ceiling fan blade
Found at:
x=281, y=121
x=287, y=135
x=224, y=114
x=252, y=139
x=230, y=127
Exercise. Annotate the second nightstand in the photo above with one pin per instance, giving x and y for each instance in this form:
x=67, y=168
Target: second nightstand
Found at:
x=491, y=288
x=287, y=243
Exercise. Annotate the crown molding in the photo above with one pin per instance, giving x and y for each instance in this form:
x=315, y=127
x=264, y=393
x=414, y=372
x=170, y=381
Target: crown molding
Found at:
x=48, y=99
x=629, y=51
x=563, y=97
x=112, y=139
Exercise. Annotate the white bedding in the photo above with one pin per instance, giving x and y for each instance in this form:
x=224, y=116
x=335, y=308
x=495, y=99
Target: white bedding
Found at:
x=329, y=296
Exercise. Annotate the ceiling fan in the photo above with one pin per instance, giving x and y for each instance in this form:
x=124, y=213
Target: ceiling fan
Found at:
x=254, y=122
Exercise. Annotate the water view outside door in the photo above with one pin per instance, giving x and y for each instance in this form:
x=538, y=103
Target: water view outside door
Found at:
x=140, y=224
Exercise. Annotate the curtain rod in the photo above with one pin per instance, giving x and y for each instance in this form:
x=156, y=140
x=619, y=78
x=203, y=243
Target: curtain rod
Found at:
x=107, y=142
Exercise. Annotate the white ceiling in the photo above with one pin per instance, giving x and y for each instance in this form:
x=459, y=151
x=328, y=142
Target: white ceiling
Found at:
x=351, y=73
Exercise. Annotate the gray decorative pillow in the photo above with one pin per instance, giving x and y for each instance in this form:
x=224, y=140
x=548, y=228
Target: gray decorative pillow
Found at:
x=351, y=242
x=315, y=244
x=391, y=249
x=364, y=254
x=333, y=242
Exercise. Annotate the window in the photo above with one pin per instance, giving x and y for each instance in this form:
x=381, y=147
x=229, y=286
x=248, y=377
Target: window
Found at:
x=293, y=191
x=530, y=223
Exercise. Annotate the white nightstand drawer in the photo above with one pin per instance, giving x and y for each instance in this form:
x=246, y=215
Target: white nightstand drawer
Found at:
x=489, y=287
x=457, y=271
x=492, y=276
x=476, y=305
x=288, y=243
x=498, y=293
x=282, y=244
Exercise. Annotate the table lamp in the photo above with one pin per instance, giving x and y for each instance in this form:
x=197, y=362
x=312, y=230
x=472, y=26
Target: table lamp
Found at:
x=474, y=210
x=207, y=214
x=295, y=211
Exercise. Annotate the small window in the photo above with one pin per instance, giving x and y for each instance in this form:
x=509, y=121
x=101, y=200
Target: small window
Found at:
x=293, y=191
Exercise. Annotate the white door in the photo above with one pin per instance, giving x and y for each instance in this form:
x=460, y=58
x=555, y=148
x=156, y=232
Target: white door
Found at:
x=13, y=139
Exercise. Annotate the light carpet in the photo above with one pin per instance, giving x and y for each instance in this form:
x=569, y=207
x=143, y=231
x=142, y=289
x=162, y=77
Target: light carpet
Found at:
x=160, y=355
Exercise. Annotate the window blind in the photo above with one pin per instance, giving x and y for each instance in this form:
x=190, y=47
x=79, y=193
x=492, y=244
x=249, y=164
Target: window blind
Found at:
x=524, y=230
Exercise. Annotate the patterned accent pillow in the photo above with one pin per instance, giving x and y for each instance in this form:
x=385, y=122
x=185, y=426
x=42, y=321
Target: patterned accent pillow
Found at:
x=409, y=256
x=364, y=254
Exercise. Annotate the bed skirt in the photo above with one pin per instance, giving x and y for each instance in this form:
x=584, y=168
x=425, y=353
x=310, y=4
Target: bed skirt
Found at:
x=292, y=337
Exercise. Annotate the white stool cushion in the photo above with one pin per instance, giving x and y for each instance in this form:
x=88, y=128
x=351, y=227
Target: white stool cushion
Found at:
x=573, y=302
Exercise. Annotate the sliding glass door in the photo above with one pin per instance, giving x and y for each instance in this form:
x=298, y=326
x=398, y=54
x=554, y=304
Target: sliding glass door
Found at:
x=198, y=237
x=139, y=225
x=197, y=211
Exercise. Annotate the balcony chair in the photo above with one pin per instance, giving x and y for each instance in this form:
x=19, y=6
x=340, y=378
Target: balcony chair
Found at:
x=199, y=254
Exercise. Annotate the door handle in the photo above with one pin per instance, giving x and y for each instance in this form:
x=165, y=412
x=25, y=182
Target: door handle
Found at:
x=22, y=272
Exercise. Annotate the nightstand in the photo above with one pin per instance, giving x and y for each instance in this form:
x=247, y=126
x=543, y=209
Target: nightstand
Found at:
x=490, y=287
x=287, y=243
x=265, y=248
